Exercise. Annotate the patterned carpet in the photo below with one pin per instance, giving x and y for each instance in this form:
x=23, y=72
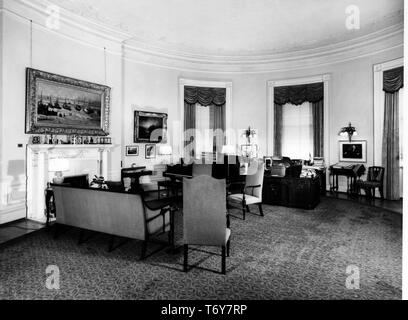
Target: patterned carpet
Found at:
x=288, y=254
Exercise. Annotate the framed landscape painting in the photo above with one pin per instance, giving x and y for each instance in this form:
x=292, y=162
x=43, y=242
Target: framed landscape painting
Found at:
x=60, y=105
x=355, y=151
x=150, y=127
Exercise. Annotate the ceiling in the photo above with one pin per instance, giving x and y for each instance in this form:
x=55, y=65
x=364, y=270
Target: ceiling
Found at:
x=237, y=27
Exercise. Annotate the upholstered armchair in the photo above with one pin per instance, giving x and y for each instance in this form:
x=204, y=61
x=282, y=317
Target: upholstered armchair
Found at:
x=205, y=216
x=375, y=179
x=251, y=193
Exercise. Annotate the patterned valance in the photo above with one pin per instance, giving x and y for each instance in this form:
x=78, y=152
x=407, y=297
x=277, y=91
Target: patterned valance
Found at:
x=205, y=96
x=299, y=94
x=393, y=80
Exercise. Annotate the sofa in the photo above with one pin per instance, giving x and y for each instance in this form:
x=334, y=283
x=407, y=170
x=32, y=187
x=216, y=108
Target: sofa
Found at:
x=115, y=213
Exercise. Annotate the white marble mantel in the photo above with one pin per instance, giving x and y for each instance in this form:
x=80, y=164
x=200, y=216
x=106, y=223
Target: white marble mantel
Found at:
x=92, y=159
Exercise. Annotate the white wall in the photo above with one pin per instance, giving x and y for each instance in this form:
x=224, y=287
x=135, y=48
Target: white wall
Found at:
x=141, y=86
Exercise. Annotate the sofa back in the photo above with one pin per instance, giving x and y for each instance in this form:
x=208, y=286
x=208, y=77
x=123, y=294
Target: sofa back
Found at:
x=115, y=213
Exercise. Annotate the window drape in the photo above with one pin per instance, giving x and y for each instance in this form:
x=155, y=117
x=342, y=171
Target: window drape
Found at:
x=393, y=80
x=318, y=128
x=278, y=131
x=312, y=93
x=204, y=120
x=205, y=96
x=392, y=83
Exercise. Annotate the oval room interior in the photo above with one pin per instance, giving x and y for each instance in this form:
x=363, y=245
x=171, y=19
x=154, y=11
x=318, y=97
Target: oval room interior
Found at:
x=201, y=150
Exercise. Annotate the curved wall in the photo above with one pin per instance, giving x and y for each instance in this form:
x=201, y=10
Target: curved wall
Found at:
x=141, y=81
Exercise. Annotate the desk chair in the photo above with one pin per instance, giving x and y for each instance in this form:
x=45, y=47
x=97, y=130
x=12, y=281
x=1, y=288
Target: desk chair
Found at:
x=205, y=217
x=252, y=190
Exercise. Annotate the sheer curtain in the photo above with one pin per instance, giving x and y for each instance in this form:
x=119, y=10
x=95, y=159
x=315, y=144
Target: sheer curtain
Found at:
x=297, y=131
x=203, y=135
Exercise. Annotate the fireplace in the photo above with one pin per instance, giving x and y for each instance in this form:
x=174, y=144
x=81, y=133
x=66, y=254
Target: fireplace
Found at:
x=77, y=160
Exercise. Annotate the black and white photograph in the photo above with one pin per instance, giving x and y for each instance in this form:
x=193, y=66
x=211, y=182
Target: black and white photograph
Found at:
x=132, y=151
x=150, y=151
x=203, y=158
x=355, y=151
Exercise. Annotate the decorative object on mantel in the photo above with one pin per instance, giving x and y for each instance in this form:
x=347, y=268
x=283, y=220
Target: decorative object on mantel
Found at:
x=150, y=127
x=355, y=151
x=98, y=183
x=60, y=105
x=132, y=151
x=36, y=140
x=150, y=151
x=349, y=131
x=58, y=165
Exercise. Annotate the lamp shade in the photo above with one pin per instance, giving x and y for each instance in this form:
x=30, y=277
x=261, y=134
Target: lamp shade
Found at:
x=228, y=149
x=58, y=165
x=165, y=150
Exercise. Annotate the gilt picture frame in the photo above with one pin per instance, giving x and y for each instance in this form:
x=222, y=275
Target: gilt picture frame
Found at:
x=57, y=104
x=150, y=127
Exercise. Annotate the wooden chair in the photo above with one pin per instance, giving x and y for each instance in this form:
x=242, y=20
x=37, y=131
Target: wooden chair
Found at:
x=375, y=179
x=251, y=193
x=204, y=216
x=159, y=219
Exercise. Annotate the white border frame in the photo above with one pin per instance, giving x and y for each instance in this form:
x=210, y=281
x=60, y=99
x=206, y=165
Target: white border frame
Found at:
x=132, y=155
x=325, y=78
x=364, y=151
x=379, y=96
x=209, y=84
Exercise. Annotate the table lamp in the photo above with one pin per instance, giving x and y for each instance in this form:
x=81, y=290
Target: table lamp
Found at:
x=58, y=166
x=165, y=150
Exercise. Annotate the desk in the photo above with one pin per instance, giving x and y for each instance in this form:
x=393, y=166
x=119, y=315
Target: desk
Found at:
x=291, y=192
x=134, y=174
x=351, y=172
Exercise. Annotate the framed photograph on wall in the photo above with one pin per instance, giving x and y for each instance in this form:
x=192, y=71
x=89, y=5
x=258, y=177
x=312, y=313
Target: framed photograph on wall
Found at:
x=354, y=151
x=132, y=151
x=60, y=105
x=150, y=127
x=150, y=151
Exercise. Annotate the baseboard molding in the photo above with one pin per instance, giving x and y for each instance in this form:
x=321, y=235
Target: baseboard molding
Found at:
x=12, y=213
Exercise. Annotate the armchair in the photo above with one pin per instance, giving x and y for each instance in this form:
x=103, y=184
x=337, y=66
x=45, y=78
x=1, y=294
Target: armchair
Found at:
x=251, y=191
x=205, y=218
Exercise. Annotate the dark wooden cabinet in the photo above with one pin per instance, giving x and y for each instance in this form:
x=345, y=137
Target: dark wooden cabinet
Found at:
x=292, y=192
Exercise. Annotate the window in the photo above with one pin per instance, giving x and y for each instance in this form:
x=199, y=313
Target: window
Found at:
x=297, y=131
x=204, y=136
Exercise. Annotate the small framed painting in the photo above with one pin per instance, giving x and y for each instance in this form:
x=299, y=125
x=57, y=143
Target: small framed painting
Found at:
x=355, y=151
x=150, y=151
x=132, y=151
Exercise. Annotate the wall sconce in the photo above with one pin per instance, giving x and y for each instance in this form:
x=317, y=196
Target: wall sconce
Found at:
x=348, y=131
